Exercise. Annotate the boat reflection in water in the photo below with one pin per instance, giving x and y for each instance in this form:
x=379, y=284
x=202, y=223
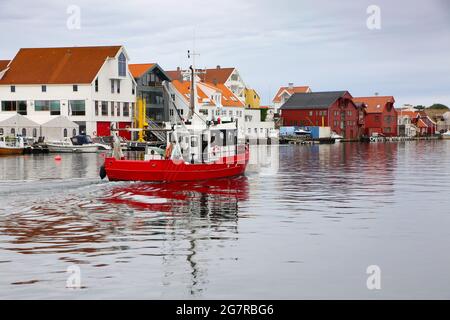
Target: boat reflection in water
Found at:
x=166, y=224
x=195, y=216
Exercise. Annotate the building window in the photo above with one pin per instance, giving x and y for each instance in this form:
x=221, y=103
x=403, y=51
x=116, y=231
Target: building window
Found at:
x=122, y=65
x=55, y=108
x=74, y=132
x=13, y=88
x=112, y=85
x=13, y=131
x=77, y=107
x=171, y=112
x=377, y=118
x=65, y=133
x=310, y=113
x=126, y=109
x=18, y=106
x=118, y=108
x=204, y=111
x=48, y=105
x=104, y=108
x=118, y=86
x=96, y=85
x=44, y=88
x=24, y=132
x=96, y=108
x=349, y=112
x=75, y=88
x=112, y=108
x=34, y=133
x=181, y=111
x=1, y=131
x=133, y=89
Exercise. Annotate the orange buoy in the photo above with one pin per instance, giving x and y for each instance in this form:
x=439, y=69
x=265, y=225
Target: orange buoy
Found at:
x=58, y=158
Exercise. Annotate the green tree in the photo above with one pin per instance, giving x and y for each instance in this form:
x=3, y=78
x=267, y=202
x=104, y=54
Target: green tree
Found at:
x=438, y=106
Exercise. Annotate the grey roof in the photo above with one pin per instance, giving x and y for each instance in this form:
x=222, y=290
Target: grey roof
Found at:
x=312, y=100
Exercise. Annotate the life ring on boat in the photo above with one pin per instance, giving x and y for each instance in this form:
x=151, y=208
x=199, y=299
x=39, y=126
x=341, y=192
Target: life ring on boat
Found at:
x=215, y=150
x=372, y=139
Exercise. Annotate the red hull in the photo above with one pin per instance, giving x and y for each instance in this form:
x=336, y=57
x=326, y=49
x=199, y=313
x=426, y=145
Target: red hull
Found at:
x=168, y=170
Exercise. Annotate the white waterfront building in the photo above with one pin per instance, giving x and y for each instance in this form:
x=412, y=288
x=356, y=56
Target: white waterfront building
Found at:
x=91, y=86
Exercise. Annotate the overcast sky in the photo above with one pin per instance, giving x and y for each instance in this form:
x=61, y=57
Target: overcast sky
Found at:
x=324, y=44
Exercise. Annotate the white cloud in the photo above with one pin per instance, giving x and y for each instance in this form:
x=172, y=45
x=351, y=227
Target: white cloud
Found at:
x=321, y=43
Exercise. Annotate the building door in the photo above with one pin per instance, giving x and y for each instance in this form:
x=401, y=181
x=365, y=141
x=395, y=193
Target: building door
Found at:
x=125, y=134
x=103, y=129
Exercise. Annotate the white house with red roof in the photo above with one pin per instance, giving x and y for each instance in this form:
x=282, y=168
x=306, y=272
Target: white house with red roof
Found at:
x=216, y=102
x=91, y=86
x=230, y=77
x=284, y=93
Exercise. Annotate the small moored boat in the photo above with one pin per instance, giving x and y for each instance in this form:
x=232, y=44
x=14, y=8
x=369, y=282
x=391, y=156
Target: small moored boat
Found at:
x=77, y=144
x=11, y=145
x=446, y=135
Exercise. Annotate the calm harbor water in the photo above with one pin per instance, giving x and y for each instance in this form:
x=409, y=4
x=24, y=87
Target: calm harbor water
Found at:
x=306, y=226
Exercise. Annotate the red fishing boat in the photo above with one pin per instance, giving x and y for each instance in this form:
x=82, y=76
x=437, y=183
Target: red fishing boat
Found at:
x=196, y=150
x=165, y=169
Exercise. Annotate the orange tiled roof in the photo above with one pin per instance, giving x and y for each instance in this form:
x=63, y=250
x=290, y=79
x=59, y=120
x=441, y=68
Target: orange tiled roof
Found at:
x=228, y=97
x=3, y=64
x=291, y=91
x=58, y=65
x=375, y=104
x=409, y=113
x=421, y=124
x=137, y=70
x=184, y=87
x=218, y=75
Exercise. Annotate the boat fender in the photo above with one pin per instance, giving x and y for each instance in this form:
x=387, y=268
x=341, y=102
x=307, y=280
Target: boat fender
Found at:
x=168, y=151
x=102, y=172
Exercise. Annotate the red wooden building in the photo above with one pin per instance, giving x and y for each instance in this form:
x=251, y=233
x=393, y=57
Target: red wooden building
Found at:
x=334, y=109
x=381, y=116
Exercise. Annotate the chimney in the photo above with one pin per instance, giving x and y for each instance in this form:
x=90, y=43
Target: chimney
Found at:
x=291, y=85
x=218, y=67
x=178, y=69
x=215, y=82
x=376, y=94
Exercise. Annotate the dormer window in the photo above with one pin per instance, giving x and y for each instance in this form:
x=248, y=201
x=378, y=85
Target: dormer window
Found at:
x=44, y=88
x=122, y=65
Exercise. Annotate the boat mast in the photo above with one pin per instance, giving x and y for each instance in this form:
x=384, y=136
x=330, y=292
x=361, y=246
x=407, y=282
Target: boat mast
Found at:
x=193, y=91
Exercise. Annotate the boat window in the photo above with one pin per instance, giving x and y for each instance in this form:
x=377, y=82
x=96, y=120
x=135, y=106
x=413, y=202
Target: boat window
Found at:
x=194, y=142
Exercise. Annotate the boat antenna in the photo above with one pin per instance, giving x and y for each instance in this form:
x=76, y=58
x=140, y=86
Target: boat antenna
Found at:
x=193, y=93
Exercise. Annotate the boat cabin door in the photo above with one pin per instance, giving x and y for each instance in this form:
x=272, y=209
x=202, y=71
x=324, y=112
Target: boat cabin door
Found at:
x=195, y=152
